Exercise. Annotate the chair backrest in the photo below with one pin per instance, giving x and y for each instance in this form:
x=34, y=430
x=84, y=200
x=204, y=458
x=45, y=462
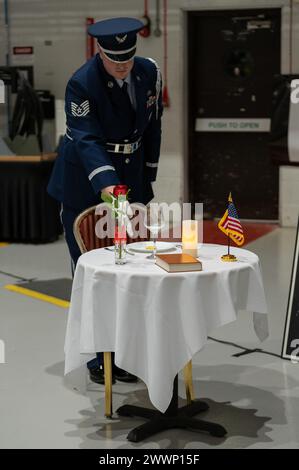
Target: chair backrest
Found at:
x=84, y=230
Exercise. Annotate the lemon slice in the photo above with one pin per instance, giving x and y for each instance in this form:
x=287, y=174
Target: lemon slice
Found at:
x=150, y=247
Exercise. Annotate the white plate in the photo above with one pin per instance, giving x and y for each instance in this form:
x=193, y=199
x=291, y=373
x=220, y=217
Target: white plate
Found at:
x=146, y=247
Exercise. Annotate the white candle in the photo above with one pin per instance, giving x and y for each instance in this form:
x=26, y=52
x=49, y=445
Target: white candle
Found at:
x=190, y=237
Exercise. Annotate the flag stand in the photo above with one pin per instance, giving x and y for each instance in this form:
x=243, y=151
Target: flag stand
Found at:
x=228, y=257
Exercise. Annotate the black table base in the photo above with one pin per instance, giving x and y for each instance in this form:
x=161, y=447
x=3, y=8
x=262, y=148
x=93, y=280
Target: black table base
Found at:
x=174, y=417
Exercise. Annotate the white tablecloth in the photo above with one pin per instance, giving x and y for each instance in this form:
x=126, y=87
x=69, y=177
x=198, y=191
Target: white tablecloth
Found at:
x=153, y=320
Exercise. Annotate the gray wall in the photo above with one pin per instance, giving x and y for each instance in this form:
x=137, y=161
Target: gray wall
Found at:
x=62, y=22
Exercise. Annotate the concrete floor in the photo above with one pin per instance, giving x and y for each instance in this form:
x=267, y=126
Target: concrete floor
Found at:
x=256, y=396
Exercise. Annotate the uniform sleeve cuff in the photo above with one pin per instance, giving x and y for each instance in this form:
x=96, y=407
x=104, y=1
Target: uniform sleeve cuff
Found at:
x=152, y=171
x=103, y=179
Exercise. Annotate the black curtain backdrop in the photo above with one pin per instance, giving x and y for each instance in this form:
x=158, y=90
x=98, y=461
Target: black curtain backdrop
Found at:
x=27, y=213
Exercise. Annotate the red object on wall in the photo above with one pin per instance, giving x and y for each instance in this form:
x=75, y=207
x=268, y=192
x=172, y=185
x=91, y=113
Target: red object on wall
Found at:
x=146, y=31
x=22, y=50
x=165, y=97
x=90, y=49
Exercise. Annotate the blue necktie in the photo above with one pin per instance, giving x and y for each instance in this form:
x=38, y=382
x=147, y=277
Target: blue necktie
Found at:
x=127, y=105
x=124, y=89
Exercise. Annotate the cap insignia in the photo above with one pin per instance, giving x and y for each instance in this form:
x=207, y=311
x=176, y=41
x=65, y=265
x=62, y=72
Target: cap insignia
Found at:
x=122, y=39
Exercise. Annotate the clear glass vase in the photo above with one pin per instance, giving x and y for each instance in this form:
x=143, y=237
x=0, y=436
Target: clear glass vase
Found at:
x=120, y=247
x=120, y=232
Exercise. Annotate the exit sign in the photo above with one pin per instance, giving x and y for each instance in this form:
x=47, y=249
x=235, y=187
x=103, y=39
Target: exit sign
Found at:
x=21, y=50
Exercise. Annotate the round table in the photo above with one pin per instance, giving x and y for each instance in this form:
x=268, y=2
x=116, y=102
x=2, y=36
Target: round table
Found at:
x=155, y=321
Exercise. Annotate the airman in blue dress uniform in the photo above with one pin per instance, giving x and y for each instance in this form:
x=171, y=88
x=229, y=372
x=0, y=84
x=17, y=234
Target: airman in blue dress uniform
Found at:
x=113, y=109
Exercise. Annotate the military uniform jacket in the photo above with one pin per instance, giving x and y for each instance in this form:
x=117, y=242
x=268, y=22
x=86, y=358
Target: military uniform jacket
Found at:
x=96, y=116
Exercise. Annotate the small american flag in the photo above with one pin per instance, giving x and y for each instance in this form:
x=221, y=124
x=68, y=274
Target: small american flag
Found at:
x=230, y=224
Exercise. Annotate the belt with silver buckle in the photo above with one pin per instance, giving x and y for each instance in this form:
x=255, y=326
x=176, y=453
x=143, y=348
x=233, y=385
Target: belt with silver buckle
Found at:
x=125, y=148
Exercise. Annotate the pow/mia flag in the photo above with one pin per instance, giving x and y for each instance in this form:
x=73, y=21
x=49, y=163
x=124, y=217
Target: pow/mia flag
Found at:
x=80, y=110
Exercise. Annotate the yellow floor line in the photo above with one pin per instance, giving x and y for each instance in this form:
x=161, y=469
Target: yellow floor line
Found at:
x=3, y=244
x=38, y=295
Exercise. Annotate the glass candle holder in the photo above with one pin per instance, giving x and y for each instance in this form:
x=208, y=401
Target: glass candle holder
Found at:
x=190, y=237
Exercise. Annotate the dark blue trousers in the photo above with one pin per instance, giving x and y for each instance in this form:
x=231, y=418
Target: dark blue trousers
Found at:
x=68, y=216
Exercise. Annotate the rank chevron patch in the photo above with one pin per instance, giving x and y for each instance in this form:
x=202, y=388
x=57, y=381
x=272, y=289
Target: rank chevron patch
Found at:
x=80, y=109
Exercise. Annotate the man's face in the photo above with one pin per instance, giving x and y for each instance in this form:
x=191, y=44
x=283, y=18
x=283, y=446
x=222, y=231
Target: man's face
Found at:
x=118, y=70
